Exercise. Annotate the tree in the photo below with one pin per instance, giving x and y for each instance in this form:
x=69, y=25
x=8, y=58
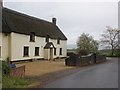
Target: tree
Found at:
x=86, y=44
x=110, y=38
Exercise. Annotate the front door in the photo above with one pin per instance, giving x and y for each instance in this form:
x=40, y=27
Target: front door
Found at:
x=51, y=53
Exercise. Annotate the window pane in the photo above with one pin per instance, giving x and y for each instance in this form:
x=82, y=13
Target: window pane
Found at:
x=26, y=51
x=47, y=38
x=58, y=41
x=60, y=51
x=32, y=37
x=36, y=51
x=54, y=51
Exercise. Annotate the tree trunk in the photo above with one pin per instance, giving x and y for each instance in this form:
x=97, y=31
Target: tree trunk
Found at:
x=112, y=50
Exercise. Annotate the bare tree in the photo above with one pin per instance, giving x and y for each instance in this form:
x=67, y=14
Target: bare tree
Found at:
x=110, y=38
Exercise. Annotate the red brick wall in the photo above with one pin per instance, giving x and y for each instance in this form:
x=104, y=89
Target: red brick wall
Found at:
x=18, y=71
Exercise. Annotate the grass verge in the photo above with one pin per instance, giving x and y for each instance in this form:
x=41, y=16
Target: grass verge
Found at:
x=14, y=82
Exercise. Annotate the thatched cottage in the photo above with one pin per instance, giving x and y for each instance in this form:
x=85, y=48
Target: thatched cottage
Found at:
x=25, y=37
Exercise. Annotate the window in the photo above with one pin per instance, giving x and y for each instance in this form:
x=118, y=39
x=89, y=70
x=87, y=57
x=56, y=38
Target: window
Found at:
x=58, y=41
x=36, y=51
x=0, y=51
x=60, y=51
x=26, y=51
x=32, y=37
x=54, y=51
x=47, y=38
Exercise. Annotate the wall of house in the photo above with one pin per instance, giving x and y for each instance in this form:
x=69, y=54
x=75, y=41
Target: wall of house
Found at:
x=63, y=45
x=4, y=43
x=18, y=41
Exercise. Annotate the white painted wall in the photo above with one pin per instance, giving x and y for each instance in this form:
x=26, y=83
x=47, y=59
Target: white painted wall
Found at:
x=63, y=45
x=13, y=45
x=4, y=43
x=18, y=42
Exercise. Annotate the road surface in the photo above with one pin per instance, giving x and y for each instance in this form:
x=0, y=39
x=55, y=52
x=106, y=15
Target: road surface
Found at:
x=104, y=75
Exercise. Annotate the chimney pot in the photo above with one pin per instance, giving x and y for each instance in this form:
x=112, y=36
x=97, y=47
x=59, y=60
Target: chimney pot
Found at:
x=54, y=20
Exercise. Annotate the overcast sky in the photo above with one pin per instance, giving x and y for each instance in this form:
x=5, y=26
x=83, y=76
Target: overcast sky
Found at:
x=73, y=18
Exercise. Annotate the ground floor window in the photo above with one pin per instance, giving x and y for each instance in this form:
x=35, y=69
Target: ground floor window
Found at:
x=54, y=51
x=60, y=51
x=36, y=51
x=26, y=51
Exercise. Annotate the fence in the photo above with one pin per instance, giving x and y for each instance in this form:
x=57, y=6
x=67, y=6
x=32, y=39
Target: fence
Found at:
x=18, y=71
x=75, y=60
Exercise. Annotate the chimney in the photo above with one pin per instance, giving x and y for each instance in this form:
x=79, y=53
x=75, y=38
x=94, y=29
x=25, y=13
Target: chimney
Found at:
x=54, y=20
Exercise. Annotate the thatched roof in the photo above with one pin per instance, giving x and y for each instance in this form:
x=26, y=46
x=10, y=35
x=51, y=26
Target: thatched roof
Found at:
x=13, y=21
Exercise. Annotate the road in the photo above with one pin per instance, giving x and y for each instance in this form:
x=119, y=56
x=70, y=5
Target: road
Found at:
x=104, y=75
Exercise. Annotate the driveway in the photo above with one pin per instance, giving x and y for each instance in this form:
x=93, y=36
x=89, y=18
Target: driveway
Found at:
x=104, y=75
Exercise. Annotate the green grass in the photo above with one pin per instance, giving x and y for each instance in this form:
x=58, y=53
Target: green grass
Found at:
x=14, y=82
x=9, y=81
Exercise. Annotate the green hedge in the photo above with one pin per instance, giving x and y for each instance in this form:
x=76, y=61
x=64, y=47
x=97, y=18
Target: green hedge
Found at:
x=5, y=68
x=108, y=53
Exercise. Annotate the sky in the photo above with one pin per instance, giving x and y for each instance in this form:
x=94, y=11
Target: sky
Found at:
x=73, y=17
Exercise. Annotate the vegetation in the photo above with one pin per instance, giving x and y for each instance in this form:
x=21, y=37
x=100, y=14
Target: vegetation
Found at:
x=71, y=50
x=109, y=54
x=5, y=69
x=14, y=82
x=86, y=44
x=10, y=81
x=110, y=39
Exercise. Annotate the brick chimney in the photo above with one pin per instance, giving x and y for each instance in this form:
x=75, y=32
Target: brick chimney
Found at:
x=54, y=20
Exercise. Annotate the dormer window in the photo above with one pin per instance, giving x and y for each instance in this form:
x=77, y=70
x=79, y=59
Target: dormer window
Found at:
x=58, y=41
x=47, y=38
x=32, y=37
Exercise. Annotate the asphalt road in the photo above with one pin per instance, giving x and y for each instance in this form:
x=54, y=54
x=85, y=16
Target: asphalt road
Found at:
x=104, y=75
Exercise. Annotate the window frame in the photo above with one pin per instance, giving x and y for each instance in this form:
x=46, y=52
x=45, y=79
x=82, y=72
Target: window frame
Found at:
x=24, y=52
x=32, y=37
x=47, y=38
x=55, y=51
x=37, y=53
x=60, y=51
x=58, y=41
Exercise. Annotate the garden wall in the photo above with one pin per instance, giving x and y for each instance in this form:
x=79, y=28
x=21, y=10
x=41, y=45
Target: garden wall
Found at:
x=18, y=71
x=74, y=60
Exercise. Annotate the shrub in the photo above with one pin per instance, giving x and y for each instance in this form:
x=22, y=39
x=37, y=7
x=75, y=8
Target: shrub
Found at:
x=109, y=54
x=5, y=68
x=83, y=52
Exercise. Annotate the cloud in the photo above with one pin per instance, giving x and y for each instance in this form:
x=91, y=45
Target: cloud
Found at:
x=73, y=18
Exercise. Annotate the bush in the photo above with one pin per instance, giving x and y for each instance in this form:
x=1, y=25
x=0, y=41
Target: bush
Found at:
x=5, y=68
x=108, y=53
x=83, y=52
